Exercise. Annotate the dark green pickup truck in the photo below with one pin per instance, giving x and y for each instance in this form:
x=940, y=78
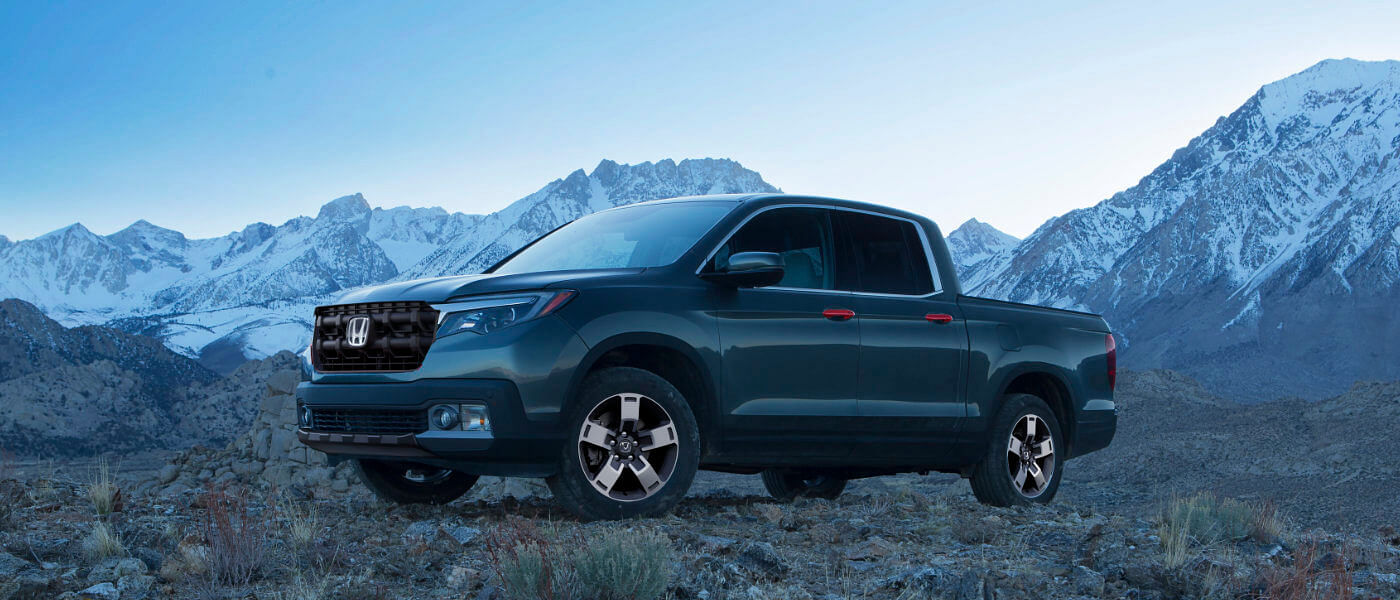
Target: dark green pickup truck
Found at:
x=810, y=340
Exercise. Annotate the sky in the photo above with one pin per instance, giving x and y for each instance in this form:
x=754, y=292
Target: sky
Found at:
x=205, y=117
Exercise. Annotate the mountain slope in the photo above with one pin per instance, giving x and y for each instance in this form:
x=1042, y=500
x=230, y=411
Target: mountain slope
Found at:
x=974, y=242
x=250, y=294
x=1261, y=258
x=564, y=200
x=94, y=389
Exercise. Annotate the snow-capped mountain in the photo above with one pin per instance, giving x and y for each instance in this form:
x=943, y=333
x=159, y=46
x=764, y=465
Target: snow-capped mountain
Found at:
x=1261, y=258
x=974, y=242
x=250, y=293
x=564, y=200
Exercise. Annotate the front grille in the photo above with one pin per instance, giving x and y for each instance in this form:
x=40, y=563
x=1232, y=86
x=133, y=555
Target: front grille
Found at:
x=397, y=339
x=380, y=422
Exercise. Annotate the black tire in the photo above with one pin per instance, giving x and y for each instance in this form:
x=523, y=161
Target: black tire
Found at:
x=399, y=482
x=786, y=485
x=574, y=483
x=993, y=479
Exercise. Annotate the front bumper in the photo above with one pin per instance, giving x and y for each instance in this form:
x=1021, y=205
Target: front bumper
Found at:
x=515, y=446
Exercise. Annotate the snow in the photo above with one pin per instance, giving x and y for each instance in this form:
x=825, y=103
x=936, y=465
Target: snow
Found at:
x=256, y=288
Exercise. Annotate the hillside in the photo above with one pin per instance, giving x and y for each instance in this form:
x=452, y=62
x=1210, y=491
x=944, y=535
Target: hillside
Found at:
x=1262, y=258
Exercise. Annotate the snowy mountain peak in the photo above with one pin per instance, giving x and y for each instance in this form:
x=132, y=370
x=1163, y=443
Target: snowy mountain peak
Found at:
x=345, y=208
x=581, y=193
x=1274, y=220
x=252, y=292
x=1319, y=95
x=975, y=241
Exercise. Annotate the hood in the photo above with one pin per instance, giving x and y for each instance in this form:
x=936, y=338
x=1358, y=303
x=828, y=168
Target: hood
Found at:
x=442, y=289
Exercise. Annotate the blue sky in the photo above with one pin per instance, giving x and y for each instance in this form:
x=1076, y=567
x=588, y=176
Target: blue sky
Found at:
x=203, y=117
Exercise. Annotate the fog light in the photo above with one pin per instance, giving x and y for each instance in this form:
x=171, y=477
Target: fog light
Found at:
x=477, y=419
x=445, y=417
x=305, y=416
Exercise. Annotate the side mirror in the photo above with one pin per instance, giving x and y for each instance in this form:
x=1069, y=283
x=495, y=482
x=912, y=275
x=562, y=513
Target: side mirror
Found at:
x=749, y=269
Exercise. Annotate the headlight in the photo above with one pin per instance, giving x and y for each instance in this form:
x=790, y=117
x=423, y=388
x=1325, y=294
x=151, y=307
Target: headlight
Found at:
x=485, y=315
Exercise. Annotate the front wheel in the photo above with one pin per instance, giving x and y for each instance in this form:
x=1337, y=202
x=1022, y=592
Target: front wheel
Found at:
x=1025, y=455
x=633, y=449
x=786, y=485
x=413, y=483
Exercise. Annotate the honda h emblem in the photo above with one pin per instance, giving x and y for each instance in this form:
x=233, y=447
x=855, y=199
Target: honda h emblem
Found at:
x=357, y=331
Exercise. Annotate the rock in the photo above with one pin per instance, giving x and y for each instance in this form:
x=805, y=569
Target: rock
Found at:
x=11, y=565
x=711, y=544
x=113, y=569
x=760, y=559
x=971, y=586
x=134, y=587
x=167, y=474
x=927, y=579
x=1086, y=582
x=871, y=549
x=101, y=591
x=423, y=530
x=283, y=383
x=464, y=535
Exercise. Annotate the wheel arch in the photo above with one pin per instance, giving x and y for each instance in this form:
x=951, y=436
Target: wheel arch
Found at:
x=669, y=358
x=1042, y=381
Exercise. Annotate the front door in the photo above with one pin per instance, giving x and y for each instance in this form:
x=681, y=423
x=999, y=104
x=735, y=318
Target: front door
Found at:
x=790, y=351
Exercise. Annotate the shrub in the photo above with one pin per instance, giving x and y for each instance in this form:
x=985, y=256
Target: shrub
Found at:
x=238, y=539
x=1202, y=520
x=623, y=565
x=529, y=564
x=106, y=497
x=1310, y=577
x=103, y=542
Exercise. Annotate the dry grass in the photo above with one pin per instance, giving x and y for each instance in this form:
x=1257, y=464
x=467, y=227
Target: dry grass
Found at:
x=615, y=564
x=238, y=538
x=103, y=542
x=1310, y=577
x=1203, y=520
x=102, y=491
x=301, y=523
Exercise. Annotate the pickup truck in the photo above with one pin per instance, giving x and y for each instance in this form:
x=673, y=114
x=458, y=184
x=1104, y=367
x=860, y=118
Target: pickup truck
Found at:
x=809, y=340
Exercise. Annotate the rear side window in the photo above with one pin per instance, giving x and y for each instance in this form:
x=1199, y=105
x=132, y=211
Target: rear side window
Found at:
x=887, y=255
x=802, y=236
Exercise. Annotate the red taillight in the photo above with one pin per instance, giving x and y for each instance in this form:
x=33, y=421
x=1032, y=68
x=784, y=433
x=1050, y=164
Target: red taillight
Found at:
x=1112, y=361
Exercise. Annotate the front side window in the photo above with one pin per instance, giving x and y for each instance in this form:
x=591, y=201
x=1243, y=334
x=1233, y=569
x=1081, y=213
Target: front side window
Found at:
x=802, y=236
x=887, y=254
x=646, y=235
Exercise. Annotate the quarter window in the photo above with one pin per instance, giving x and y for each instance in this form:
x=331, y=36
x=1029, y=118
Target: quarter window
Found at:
x=802, y=236
x=887, y=255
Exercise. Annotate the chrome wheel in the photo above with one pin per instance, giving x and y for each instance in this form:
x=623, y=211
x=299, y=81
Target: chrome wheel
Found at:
x=627, y=447
x=1030, y=456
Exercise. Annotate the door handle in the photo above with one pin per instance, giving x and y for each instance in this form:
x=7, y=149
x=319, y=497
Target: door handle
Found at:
x=939, y=318
x=838, y=314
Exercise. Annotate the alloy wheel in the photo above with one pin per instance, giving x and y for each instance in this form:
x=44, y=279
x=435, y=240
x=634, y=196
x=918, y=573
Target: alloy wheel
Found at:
x=628, y=447
x=1030, y=456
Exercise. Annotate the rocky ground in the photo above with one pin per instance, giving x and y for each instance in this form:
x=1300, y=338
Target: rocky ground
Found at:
x=264, y=518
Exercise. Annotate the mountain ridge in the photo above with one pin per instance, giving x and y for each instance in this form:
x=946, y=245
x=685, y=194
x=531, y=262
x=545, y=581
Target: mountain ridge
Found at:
x=250, y=293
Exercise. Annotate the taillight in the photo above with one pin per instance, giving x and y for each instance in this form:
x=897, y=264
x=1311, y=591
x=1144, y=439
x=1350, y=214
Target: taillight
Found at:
x=1112, y=361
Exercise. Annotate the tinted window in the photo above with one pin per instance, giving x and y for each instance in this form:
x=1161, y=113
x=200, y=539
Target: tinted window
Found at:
x=802, y=236
x=647, y=235
x=887, y=255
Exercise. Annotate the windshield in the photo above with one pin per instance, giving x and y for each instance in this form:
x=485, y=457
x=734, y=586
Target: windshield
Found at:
x=646, y=235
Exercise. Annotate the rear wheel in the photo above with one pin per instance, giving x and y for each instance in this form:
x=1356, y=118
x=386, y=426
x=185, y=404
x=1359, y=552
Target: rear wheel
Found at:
x=634, y=449
x=413, y=483
x=786, y=485
x=1025, y=452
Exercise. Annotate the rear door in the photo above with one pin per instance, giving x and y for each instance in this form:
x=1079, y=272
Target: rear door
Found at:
x=913, y=338
x=789, y=350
